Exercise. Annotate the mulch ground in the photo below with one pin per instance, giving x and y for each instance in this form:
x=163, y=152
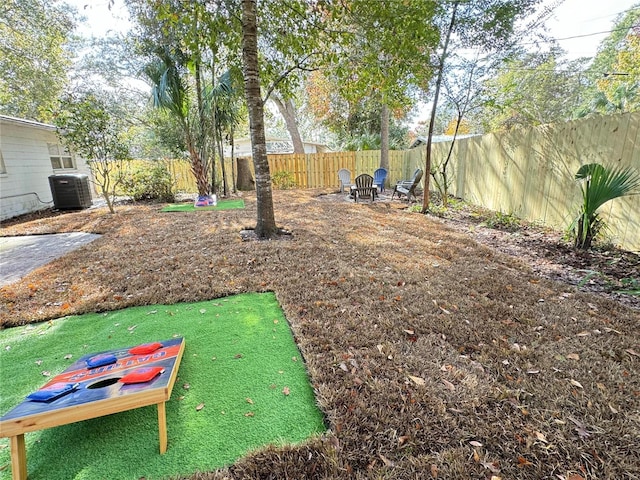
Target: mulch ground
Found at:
x=437, y=347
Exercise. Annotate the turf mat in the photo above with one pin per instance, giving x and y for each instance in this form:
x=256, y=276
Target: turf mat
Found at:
x=231, y=204
x=242, y=384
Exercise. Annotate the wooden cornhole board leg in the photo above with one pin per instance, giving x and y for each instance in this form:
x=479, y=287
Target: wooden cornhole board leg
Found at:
x=18, y=458
x=162, y=426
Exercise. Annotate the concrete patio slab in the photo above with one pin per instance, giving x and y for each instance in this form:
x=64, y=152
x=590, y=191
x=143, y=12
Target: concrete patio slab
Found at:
x=23, y=254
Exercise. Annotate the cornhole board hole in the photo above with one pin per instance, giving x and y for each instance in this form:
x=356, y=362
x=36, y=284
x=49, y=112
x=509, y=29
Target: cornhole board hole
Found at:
x=94, y=386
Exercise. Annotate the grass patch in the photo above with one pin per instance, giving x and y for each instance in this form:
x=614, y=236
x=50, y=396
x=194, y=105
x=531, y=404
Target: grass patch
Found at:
x=231, y=204
x=240, y=361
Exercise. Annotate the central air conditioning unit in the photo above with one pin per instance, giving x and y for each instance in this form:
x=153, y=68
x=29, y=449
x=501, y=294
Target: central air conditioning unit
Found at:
x=70, y=191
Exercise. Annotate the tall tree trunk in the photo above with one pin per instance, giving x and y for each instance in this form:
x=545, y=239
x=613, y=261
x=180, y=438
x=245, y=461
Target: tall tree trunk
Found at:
x=266, y=224
x=233, y=161
x=432, y=121
x=223, y=168
x=288, y=111
x=384, y=137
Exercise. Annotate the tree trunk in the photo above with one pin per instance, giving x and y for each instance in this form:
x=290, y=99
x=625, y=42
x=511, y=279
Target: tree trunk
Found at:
x=432, y=121
x=245, y=181
x=266, y=223
x=384, y=138
x=233, y=165
x=288, y=111
x=225, y=189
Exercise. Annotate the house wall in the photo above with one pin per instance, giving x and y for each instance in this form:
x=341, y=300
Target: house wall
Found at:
x=24, y=188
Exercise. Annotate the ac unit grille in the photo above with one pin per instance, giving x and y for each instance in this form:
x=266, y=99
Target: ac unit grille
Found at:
x=70, y=191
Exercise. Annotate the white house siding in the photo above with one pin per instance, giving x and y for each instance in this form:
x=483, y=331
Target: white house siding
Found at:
x=24, y=187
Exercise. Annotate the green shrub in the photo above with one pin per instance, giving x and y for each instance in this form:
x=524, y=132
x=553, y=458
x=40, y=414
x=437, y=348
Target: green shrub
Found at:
x=503, y=221
x=283, y=180
x=149, y=183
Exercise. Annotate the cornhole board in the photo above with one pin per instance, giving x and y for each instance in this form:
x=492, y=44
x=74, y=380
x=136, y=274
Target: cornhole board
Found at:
x=99, y=392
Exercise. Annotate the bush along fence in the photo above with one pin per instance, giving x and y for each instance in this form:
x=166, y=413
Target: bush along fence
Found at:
x=529, y=173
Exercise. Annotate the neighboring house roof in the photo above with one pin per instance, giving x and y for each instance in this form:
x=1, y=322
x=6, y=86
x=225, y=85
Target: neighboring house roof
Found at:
x=30, y=123
x=276, y=144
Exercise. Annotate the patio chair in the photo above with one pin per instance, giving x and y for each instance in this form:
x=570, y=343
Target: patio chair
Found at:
x=344, y=176
x=365, y=188
x=408, y=187
x=379, y=176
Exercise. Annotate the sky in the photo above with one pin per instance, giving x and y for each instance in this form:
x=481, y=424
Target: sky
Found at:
x=585, y=17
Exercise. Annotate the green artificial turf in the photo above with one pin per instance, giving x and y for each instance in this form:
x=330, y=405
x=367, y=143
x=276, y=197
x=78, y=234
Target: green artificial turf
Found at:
x=240, y=361
x=189, y=207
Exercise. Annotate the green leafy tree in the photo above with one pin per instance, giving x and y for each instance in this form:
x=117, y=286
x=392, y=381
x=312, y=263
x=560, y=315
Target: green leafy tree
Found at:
x=615, y=64
x=383, y=55
x=532, y=89
x=599, y=185
x=88, y=128
x=486, y=25
x=33, y=56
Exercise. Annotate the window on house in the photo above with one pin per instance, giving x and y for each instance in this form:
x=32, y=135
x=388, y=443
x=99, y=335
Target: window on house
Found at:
x=60, y=157
x=3, y=169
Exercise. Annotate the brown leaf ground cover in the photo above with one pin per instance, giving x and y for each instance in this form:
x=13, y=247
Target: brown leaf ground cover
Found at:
x=437, y=348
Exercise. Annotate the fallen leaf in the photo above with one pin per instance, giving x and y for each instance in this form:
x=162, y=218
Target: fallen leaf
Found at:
x=68, y=356
x=476, y=456
x=475, y=444
x=613, y=410
x=434, y=470
x=379, y=347
x=199, y=407
x=249, y=400
x=541, y=437
x=286, y=391
x=386, y=461
x=408, y=331
x=573, y=356
x=523, y=462
x=186, y=386
x=533, y=372
x=575, y=476
x=237, y=355
x=630, y=351
x=417, y=380
x=202, y=310
x=583, y=334
x=575, y=383
x=449, y=385
x=249, y=414
x=46, y=373
x=38, y=362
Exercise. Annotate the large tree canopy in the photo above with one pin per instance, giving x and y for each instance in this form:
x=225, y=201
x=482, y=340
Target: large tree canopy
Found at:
x=34, y=57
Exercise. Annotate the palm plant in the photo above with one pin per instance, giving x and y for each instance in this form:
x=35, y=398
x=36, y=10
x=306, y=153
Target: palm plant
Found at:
x=222, y=101
x=171, y=92
x=599, y=185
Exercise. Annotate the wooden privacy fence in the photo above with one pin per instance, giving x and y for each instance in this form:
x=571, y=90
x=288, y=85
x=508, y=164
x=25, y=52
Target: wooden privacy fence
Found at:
x=531, y=172
x=309, y=170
